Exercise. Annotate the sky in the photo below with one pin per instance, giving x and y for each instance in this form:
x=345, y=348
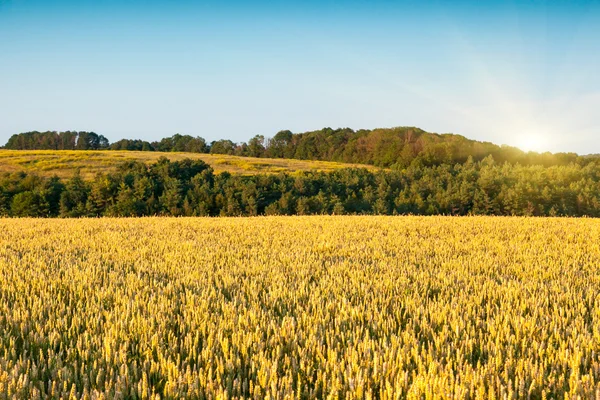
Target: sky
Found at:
x=522, y=73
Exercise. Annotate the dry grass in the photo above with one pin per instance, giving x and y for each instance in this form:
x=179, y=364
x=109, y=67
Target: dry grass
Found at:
x=64, y=163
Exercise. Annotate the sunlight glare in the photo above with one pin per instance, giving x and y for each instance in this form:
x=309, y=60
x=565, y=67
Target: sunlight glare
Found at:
x=533, y=142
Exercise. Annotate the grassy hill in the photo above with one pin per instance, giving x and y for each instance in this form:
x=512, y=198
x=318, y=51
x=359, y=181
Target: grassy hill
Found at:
x=397, y=147
x=64, y=163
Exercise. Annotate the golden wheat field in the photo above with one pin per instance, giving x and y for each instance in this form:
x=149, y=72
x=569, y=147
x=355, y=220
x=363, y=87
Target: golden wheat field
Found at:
x=300, y=308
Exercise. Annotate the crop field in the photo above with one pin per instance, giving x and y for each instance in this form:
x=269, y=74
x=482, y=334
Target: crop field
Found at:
x=300, y=307
x=64, y=163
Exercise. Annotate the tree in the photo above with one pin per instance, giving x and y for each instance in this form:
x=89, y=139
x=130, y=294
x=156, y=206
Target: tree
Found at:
x=222, y=147
x=278, y=144
x=29, y=204
x=338, y=208
x=90, y=141
x=4, y=203
x=256, y=146
x=171, y=200
x=127, y=203
x=73, y=199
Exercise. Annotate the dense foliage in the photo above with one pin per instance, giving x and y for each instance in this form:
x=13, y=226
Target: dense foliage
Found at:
x=191, y=188
x=68, y=140
x=394, y=147
x=300, y=308
x=182, y=143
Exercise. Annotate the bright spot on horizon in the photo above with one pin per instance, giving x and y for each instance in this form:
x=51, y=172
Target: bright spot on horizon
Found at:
x=533, y=142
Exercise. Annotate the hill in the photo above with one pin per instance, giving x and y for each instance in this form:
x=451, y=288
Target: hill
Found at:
x=64, y=163
x=396, y=147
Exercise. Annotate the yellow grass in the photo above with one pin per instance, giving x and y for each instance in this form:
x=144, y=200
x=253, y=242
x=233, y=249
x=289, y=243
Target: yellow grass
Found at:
x=64, y=163
x=300, y=307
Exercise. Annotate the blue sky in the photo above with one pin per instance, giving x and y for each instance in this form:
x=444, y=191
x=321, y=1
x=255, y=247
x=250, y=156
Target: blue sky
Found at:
x=522, y=73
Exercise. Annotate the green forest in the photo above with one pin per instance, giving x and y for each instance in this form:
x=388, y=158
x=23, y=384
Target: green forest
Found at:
x=424, y=174
x=191, y=188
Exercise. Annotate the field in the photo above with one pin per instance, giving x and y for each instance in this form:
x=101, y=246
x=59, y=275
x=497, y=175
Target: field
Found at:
x=64, y=163
x=300, y=307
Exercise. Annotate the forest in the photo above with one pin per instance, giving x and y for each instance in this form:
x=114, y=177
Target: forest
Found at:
x=52, y=140
x=387, y=148
x=191, y=188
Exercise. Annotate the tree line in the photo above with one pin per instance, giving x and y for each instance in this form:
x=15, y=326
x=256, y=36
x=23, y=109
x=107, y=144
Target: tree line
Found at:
x=389, y=148
x=191, y=188
x=52, y=140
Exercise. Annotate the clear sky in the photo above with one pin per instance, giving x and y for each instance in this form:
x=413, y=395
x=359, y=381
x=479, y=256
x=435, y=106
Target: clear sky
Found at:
x=523, y=73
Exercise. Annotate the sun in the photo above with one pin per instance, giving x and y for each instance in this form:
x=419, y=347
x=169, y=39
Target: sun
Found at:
x=532, y=142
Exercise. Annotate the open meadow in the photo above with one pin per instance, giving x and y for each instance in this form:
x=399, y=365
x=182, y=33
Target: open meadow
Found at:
x=64, y=163
x=300, y=307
